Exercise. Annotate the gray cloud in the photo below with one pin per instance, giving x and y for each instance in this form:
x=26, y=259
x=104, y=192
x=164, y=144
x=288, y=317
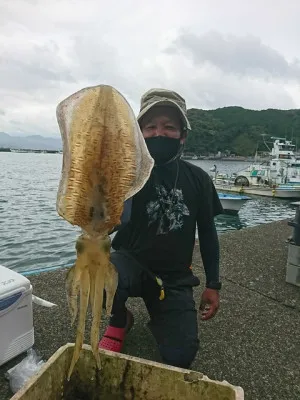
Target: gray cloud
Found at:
x=36, y=68
x=2, y=112
x=244, y=55
x=214, y=89
x=47, y=53
x=95, y=60
x=225, y=90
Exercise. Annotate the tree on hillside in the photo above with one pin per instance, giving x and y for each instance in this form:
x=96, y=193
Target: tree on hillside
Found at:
x=239, y=130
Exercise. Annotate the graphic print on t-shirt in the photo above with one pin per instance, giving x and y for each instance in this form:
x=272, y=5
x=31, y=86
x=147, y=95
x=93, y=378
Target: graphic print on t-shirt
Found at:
x=169, y=210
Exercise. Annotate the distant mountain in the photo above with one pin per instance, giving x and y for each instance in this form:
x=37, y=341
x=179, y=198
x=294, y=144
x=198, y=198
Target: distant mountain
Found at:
x=229, y=129
x=33, y=142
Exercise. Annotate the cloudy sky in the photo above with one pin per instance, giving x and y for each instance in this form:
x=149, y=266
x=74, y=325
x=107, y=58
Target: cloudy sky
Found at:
x=215, y=53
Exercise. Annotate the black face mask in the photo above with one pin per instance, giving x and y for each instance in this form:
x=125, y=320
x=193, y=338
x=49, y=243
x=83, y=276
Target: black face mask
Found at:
x=163, y=149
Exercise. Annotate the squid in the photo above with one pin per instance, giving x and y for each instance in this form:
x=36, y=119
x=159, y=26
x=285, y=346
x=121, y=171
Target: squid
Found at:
x=105, y=162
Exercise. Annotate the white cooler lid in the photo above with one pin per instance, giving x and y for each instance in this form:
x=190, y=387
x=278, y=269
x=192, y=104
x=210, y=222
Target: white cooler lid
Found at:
x=11, y=280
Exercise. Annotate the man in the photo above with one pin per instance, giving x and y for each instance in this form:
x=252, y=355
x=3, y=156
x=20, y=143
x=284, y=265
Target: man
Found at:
x=154, y=248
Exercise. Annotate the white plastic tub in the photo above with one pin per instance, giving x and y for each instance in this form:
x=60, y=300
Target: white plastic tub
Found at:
x=16, y=317
x=121, y=377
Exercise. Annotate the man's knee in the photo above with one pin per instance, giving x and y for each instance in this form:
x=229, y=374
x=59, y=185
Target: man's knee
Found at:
x=174, y=325
x=181, y=356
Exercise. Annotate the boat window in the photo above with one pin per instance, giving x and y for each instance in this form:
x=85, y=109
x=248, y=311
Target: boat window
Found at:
x=287, y=147
x=285, y=156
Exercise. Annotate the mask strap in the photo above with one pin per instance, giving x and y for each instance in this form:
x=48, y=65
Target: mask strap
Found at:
x=177, y=155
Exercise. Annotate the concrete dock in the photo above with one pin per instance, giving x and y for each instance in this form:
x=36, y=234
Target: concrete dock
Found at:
x=253, y=341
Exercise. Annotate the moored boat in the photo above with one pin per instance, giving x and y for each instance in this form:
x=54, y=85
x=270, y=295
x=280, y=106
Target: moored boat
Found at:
x=232, y=203
x=280, y=191
x=278, y=177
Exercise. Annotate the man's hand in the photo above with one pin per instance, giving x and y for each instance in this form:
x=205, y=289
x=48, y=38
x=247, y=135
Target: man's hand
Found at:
x=209, y=303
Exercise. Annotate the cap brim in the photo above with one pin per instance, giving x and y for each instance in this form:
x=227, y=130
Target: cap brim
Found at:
x=166, y=103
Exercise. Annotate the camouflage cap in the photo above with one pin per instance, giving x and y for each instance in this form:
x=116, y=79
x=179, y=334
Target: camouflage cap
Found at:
x=163, y=97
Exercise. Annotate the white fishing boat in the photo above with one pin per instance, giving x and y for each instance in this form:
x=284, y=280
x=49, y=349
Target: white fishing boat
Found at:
x=282, y=168
x=280, y=192
x=18, y=151
x=232, y=203
x=277, y=177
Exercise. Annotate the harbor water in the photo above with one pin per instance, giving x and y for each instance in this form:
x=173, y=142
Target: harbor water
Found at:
x=33, y=236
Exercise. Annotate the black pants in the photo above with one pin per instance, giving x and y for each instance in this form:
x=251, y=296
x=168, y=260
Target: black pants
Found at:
x=173, y=321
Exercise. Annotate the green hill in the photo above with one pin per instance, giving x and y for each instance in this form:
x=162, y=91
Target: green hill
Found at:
x=238, y=130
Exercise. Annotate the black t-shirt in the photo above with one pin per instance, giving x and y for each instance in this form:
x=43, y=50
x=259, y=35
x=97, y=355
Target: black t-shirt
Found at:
x=165, y=214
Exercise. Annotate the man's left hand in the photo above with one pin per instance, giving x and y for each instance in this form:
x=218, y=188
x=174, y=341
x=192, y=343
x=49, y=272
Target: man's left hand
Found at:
x=209, y=303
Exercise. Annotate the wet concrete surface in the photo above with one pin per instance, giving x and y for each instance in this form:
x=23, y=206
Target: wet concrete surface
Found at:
x=252, y=342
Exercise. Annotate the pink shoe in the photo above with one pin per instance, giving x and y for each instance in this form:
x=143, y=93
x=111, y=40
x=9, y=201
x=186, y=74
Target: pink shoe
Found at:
x=113, y=338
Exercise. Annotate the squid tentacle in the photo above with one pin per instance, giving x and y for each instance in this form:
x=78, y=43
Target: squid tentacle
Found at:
x=98, y=283
x=110, y=285
x=84, y=299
